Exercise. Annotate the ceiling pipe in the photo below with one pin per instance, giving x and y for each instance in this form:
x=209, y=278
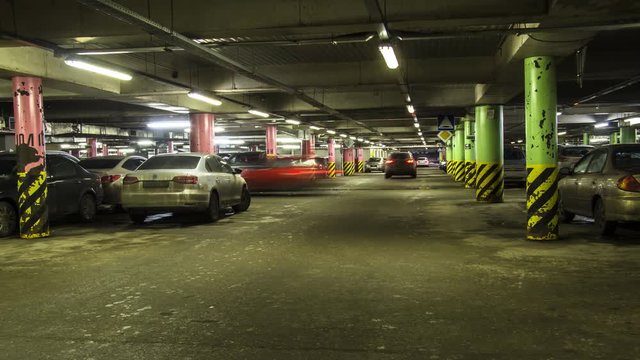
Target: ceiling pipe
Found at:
x=128, y=16
x=609, y=90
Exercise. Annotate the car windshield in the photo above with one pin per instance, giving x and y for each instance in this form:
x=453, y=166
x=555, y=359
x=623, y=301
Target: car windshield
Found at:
x=577, y=151
x=627, y=158
x=399, y=156
x=374, y=159
x=99, y=163
x=7, y=167
x=170, y=162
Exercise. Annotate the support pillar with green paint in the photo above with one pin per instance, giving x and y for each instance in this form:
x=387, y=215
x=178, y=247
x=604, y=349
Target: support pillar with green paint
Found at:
x=459, y=153
x=627, y=135
x=585, y=138
x=449, y=155
x=469, y=153
x=613, y=138
x=489, y=153
x=541, y=147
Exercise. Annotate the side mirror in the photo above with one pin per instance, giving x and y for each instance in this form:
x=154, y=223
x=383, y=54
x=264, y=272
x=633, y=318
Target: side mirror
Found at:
x=565, y=171
x=237, y=171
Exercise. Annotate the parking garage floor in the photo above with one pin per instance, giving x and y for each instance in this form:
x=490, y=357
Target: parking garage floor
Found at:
x=371, y=269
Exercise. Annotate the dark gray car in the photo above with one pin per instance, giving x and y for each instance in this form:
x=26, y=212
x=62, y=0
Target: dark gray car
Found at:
x=71, y=190
x=400, y=163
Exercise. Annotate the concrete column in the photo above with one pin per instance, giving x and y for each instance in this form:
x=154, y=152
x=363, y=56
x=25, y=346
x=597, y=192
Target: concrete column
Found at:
x=202, y=133
x=627, y=135
x=489, y=153
x=105, y=150
x=458, y=150
x=93, y=147
x=585, y=138
x=31, y=169
x=613, y=138
x=449, y=156
x=360, y=160
x=541, y=144
x=331, y=154
x=272, y=140
x=469, y=153
x=170, y=147
x=348, y=165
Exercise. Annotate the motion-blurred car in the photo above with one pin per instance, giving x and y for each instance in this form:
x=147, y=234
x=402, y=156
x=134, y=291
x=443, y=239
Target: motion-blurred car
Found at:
x=374, y=164
x=112, y=170
x=422, y=162
x=605, y=185
x=72, y=190
x=400, y=163
x=185, y=182
x=570, y=154
x=515, y=165
x=283, y=174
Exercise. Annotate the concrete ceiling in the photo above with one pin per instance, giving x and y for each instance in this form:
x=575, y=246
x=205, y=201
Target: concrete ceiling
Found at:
x=318, y=60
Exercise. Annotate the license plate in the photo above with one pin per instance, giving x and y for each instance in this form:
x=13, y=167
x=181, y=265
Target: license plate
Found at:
x=155, y=184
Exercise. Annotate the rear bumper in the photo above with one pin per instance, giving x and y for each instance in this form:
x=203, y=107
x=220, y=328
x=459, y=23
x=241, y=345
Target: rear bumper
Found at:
x=187, y=200
x=624, y=208
x=400, y=170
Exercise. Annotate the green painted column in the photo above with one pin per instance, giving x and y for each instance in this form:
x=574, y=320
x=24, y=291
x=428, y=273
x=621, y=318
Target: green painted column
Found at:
x=469, y=153
x=541, y=147
x=627, y=135
x=449, y=155
x=613, y=138
x=585, y=138
x=489, y=153
x=459, y=153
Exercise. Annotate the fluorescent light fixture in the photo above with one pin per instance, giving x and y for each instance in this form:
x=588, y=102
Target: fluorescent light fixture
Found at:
x=415, y=118
x=289, y=146
x=408, y=98
x=367, y=142
x=79, y=64
x=187, y=130
x=218, y=129
x=410, y=109
x=258, y=113
x=227, y=141
x=419, y=133
x=313, y=127
x=292, y=122
x=344, y=135
x=416, y=125
x=145, y=142
x=360, y=139
x=331, y=132
x=513, y=142
x=558, y=113
x=519, y=141
x=601, y=125
x=173, y=124
x=633, y=121
x=389, y=56
x=562, y=133
x=203, y=98
x=352, y=137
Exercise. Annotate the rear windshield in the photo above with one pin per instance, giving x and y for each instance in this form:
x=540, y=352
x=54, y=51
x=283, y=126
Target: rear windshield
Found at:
x=99, y=163
x=374, y=159
x=399, y=156
x=575, y=151
x=627, y=159
x=513, y=154
x=170, y=162
x=7, y=166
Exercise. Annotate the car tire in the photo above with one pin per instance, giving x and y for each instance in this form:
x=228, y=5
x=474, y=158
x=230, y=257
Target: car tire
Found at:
x=137, y=217
x=213, y=211
x=387, y=175
x=414, y=175
x=564, y=215
x=604, y=226
x=8, y=219
x=245, y=201
x=88, y=208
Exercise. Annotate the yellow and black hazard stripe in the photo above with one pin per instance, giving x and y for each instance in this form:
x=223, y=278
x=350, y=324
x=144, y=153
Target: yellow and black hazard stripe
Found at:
x=331, y=169
x=32, y=205
x=349, y=168
x=360, y=166
x=448, y=167
x=542, y=202
x=470, y=175
x=460, y=167
x=489, y=182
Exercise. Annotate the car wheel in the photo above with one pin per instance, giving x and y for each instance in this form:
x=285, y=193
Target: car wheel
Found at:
x=137, y=217
x=604, y=226
x=564, y=215
x=213, y=212
x=88, y=208
x=387, y=175
x=8, y=219
x=414, y=175
x=245, y=201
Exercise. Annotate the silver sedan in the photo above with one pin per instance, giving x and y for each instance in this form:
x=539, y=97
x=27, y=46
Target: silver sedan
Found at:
x=604, y=185
x=185, y=182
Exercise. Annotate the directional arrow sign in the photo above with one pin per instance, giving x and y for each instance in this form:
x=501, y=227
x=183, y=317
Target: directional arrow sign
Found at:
x=446, y=122
x=445, y=135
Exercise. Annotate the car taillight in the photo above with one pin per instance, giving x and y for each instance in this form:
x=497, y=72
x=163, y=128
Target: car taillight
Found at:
x=129, y=180
x=629, y=183
x=189, y=179
x=410, y=161
x=389, y=161
x=108, y=179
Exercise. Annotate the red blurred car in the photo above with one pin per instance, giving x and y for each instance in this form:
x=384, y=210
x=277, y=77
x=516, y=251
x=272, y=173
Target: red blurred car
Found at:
x=282, y=173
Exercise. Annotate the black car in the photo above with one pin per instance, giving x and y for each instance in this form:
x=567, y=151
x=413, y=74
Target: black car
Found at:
x=72, y=190
x=400, y=163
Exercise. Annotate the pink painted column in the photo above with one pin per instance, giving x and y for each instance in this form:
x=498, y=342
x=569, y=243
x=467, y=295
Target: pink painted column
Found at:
x=272, y=140
x=360, y=161
x=348, y=165
x=33, y=211
x=105, y=149
x=312, y=145
x=331, y=155
x=93, y=147
x=306, y=147
x=170, y=147
x=201, y=138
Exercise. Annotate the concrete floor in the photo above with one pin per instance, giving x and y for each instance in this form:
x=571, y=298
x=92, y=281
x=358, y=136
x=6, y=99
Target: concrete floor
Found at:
x=375, y=269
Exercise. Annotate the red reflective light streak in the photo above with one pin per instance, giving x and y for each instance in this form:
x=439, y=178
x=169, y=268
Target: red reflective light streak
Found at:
x=129, y=180
x=629, y=183
x=108, y=179
x=390, y=162
x=188, y=179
